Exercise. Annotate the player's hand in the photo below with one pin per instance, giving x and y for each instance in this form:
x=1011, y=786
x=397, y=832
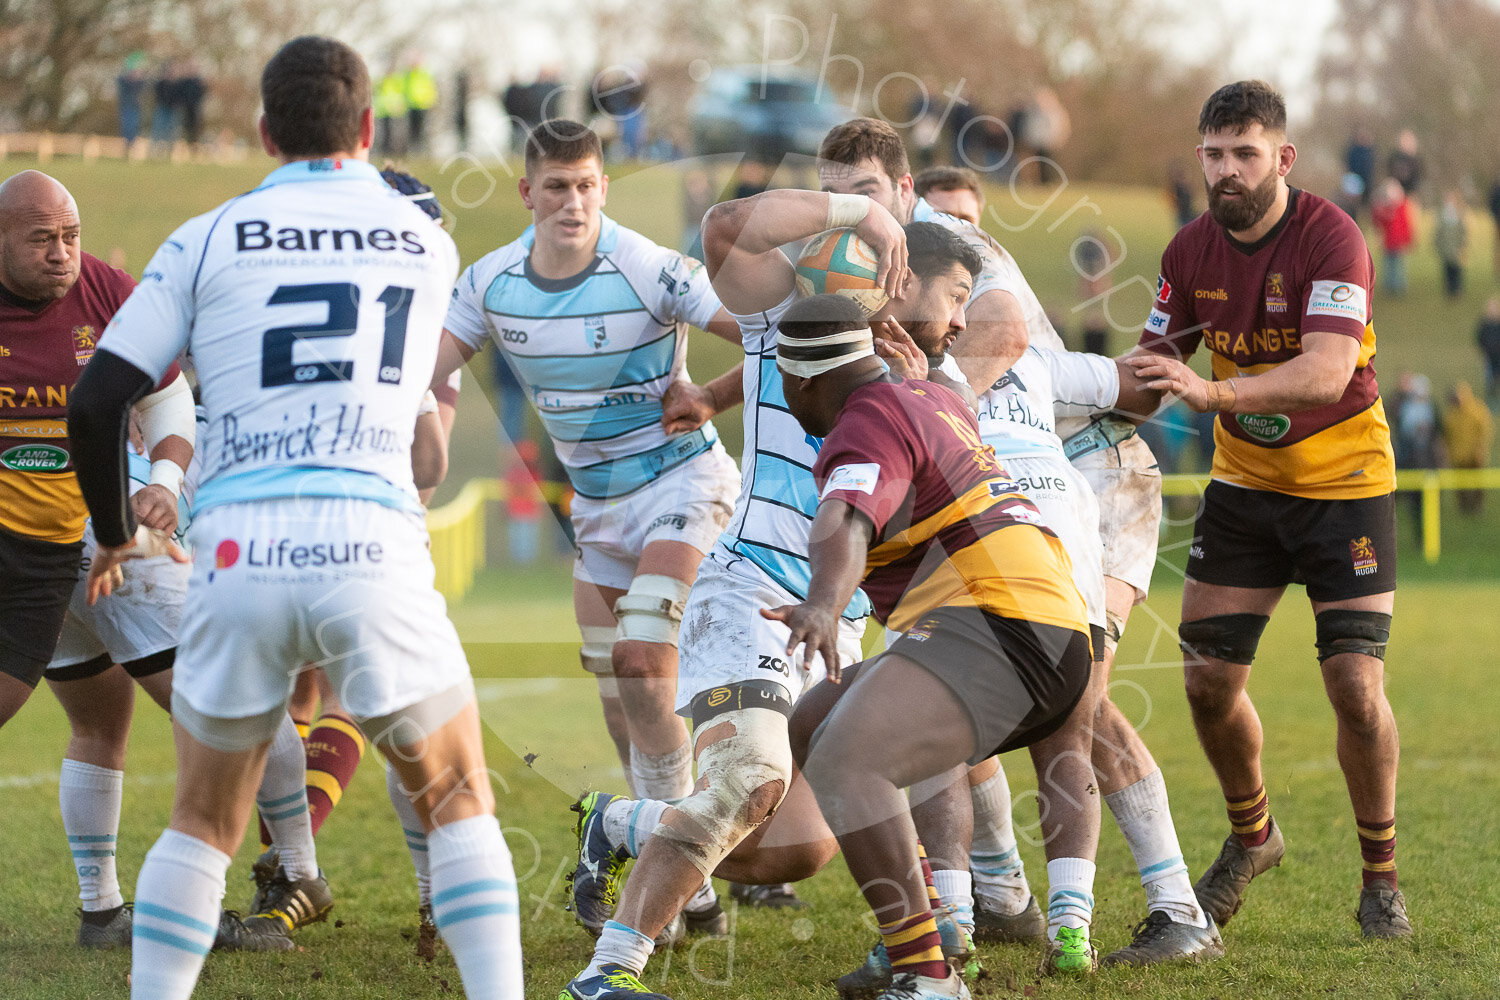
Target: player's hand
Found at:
x=156, y=508
x=105, y=573
x=886, y=237
x=814, y=626
x=895, y=346
x=686, y=406
x=1169, y=375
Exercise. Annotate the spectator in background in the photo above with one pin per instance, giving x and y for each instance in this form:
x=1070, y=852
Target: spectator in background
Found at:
x=1359, y=160
x=189, y=90
x=926, y=125
x=390, y=114
x=420, y=92
x=1046, y=129
x=1452, y=240
x=1095, y=278
x=129, y=86
x=164, y=107
x=1489, y=344
x=461, y=109
x=527, y=104
x=955, y=191
x=1468, y=431
x=1416, y=433
x=1495, y=215
x=1405, y=163
x=619, y=96
x=1180, y=191
x=1396, y=220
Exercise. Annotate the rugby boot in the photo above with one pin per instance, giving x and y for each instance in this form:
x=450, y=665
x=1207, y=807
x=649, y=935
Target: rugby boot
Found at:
x=1382, y=912
x=614, y=982
x=103, y=929
x=1071, y=954
x=253, y=933
x=671, y=935
x=297, y=904
x=780, y=896
x=993, y=927
x=1159, y=938
x=1221, y=889
x=874, y=974
x=263, y=873
x=711, y=921
x=909, y=986
x=594, y=885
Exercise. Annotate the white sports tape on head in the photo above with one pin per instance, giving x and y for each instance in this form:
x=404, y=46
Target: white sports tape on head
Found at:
x=859, y=343
x=597, y=652
x=651, y=610
x=845, y=211
x=714, y=819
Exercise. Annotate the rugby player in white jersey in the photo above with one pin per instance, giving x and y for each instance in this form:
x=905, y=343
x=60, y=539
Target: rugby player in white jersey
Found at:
x=867, y=156
x=593, y=319
x=312, y=307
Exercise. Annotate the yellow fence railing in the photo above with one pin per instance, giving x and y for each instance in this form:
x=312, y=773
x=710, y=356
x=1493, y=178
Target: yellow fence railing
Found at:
x=457, y=528
x=1430, y=482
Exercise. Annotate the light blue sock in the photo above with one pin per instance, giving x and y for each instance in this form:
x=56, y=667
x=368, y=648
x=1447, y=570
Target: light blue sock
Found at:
x=476, y=907
x=178, y=895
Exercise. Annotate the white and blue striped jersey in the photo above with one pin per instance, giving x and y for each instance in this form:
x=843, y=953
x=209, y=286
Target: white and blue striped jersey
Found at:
x=778, y=496
x=312, y=307
x=596, y=351
x=1017, y=415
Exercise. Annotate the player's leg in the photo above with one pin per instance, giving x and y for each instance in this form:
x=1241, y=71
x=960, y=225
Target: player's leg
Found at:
x=1004, y=908
x=97, y=697
x=39, y=580
x=335, y=747
x=416, y=846
x=593, y=608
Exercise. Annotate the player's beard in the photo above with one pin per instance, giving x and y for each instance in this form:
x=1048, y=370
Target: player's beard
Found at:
x=1245, y=211
x=928, y=335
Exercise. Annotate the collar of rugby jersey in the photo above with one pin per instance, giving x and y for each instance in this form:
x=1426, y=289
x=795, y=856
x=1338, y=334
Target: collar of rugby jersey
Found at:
x=321, y=170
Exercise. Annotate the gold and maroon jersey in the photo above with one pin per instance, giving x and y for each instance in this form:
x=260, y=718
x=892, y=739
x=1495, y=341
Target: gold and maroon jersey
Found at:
x=43, y=348
x=1251, y=305
x=951, y=527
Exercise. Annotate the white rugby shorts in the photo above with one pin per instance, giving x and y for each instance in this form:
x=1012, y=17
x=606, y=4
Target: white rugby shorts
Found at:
x=138, y=619
x=725, y=640
x=691, y=503
x=343, y=584
x=1127, y=483
x=1068, y=504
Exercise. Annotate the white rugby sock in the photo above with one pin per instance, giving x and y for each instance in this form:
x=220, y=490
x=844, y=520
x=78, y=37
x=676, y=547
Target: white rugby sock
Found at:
x=1070, y=894
x=620, y=945
x=177, y=900
x=89, y=796
x=999, y=874
x=282, y=801
x=476, y=906
x=667, y=776
x=1145, y=819
x=411, y=827
x=631, y=821
x=956, y=889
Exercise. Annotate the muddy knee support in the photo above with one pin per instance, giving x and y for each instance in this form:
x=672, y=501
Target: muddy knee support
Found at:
x=597, y=655
x=651, y=610
x=732, y=771
x=1231, y=638
x=1342, y=630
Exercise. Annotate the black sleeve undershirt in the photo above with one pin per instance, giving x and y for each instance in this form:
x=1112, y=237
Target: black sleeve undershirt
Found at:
x=98, y=422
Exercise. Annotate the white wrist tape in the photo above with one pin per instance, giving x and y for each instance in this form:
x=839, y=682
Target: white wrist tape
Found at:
x=167, y=413
x=845, y=211
x=165, y=472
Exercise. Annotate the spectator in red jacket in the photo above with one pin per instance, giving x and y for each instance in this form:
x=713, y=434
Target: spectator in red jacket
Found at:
x=1397, y=222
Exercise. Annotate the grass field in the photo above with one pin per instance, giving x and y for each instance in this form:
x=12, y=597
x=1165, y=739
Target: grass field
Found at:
x=545, y=740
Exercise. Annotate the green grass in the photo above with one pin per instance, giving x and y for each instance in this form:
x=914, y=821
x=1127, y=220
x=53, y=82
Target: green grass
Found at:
x=1295, y=937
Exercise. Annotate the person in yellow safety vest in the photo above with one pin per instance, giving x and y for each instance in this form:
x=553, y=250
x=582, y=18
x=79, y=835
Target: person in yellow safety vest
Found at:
x=421, y=95
x=390, y=108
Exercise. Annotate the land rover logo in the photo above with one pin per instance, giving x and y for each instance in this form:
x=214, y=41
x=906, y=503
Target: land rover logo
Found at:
x=1264, y=427
x=35, y=458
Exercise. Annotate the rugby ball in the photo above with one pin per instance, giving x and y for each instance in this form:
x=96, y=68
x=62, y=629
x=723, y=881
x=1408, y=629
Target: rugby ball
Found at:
x=840, y=263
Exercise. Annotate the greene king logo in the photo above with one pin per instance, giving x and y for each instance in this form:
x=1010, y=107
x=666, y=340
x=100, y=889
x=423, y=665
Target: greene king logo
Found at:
x=1264, y=427
x=34, y=458
x=225, y=556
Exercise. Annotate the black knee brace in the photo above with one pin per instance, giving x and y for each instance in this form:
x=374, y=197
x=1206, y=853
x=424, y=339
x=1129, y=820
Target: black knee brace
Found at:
x=1344, y=631
x=1231, y=638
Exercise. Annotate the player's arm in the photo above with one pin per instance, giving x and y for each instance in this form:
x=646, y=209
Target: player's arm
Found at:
x=1316, y=377
x=742, y=241
x=837, y=545
x=686, y=406
x=168, y=424
x=452, y=355
x=724, y=326
x=993, y=340
x=429, y=449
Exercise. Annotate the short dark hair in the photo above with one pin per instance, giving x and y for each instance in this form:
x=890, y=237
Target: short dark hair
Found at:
x=1235, y=107
x=562, y=141
x=946, y=178
x=821, y=316
x=862, y=138
x=315, y=91
x=931, y=250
